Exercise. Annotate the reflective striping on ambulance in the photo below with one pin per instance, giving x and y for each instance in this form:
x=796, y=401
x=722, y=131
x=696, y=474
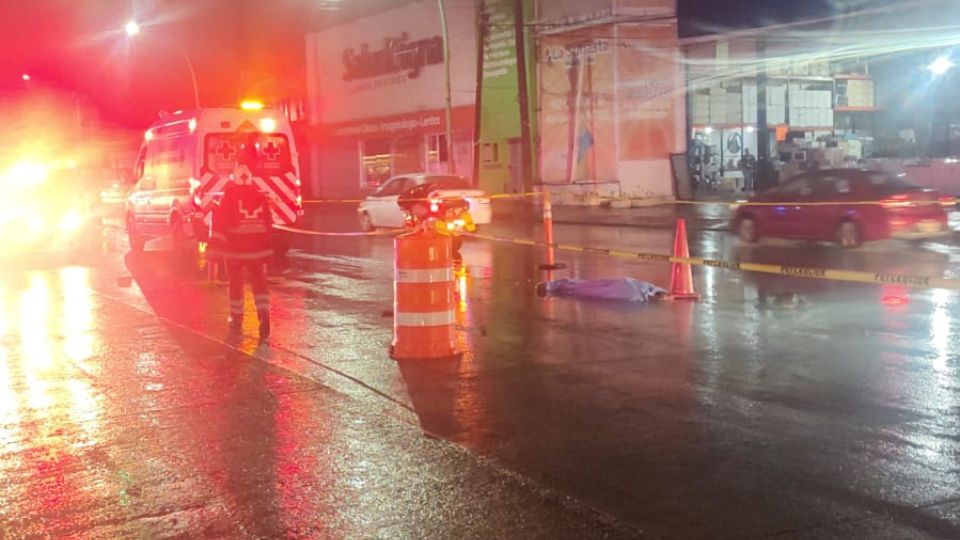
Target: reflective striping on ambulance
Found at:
x=203, y=145
x=276, y=173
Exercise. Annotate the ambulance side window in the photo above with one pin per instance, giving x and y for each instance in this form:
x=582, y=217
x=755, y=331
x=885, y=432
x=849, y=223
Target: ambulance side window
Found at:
x=175, y=164
x=146, y=180
x=138, y=167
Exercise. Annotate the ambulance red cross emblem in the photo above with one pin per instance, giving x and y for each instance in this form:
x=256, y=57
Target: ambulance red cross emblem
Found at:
x=272, y=151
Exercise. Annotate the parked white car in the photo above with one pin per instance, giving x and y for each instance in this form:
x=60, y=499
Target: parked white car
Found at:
x=381, y=210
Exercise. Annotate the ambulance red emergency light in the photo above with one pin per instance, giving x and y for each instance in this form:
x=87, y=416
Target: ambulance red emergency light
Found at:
x=185, y=163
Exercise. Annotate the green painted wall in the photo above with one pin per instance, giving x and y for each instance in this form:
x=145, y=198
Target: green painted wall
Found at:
x=500, y=112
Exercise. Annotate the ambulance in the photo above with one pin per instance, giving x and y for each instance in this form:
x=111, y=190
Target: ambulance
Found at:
x=184, y=165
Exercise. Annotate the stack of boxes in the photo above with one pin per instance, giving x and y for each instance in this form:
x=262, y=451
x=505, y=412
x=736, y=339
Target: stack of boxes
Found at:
x=701, y=109
x=718, y=106
x=776, y=104
x=860, y=93
x=734, y=107
x=810, y=108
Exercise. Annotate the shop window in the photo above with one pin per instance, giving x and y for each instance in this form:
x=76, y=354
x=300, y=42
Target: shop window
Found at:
x=408, y=155
x=376, y=161
x=437, y=152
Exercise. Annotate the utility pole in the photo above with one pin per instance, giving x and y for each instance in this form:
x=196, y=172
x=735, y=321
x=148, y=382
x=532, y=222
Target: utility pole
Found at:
x=483, y=26
x=446, y=67
x=763, y=132
x=522, y=96
x=764, y=174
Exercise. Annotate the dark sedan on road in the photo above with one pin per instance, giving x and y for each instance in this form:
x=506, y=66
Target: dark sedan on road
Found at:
x=847, y=206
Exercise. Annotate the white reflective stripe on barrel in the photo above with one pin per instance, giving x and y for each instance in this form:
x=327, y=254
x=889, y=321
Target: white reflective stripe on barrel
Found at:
x=430, y=275
x=430, y=318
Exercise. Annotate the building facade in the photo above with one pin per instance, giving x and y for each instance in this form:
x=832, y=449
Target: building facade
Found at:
x=376, y=97
x=611, y=94
x=809, y=96
x=605, y=96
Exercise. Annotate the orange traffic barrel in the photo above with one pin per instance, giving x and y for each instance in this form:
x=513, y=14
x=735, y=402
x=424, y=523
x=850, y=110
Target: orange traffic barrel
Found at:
x=423, y=300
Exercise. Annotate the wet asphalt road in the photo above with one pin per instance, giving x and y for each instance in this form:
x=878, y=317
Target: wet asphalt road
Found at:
x=126, y=411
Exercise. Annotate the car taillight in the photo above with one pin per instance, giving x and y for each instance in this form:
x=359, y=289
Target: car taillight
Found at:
x=948, y=201
x=434, y=202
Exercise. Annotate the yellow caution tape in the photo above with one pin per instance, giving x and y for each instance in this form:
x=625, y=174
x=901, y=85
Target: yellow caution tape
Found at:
x=735, y=204
x=357, y=201
x=876, y=278
x=516, y=195
x=296, y=230
x=332, y=201
x=663, y=202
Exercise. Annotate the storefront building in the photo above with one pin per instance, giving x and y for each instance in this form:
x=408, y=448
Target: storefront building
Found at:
x=377, y=97
x=812, y=101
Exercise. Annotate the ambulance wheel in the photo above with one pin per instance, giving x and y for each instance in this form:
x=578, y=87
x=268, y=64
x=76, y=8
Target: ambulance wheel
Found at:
x=136, y=241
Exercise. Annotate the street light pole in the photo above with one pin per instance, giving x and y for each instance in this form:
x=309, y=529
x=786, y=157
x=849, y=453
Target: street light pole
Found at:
x=132, y=28
x=446, y=67
x=193, y=79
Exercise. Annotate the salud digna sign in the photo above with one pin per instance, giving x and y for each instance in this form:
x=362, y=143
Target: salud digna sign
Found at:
x=397, y=54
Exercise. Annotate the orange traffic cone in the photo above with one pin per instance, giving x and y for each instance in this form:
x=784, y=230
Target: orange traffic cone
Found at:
x=681, y=277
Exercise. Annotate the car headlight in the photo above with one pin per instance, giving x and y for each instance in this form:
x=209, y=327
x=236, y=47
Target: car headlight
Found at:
x=35, y=223
x=71, y=221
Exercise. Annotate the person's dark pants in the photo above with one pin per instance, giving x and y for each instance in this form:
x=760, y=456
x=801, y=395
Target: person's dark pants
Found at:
x=258, y=282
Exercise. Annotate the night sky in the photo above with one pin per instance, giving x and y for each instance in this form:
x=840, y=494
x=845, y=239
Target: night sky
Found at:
x=78, y=47
x=237, y=46
x=709, y=16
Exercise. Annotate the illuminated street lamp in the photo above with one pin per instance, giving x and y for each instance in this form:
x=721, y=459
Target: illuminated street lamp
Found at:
x=132, y=28
x=940, y=66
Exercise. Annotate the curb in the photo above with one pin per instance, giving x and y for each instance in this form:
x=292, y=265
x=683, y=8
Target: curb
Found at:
x=666, y=227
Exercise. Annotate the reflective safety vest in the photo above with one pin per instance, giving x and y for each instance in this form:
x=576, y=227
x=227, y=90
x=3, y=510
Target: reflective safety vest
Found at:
x=241, y=224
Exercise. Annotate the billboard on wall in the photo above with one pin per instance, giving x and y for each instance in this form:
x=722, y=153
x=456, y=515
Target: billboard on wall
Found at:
x=577, y=107
x=392, y=63
x=578, y=9
x=607, y=101
x=650, y=92
x=500, y=116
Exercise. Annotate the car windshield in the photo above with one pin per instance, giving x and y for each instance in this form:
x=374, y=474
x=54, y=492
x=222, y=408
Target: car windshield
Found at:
x=889, y=183
x=449, y=182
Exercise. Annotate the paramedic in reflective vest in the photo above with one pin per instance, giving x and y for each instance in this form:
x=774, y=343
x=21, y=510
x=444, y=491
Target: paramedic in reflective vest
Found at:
x=241, y=232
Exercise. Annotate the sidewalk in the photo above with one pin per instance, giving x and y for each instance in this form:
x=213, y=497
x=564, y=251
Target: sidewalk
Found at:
x=699, y=216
